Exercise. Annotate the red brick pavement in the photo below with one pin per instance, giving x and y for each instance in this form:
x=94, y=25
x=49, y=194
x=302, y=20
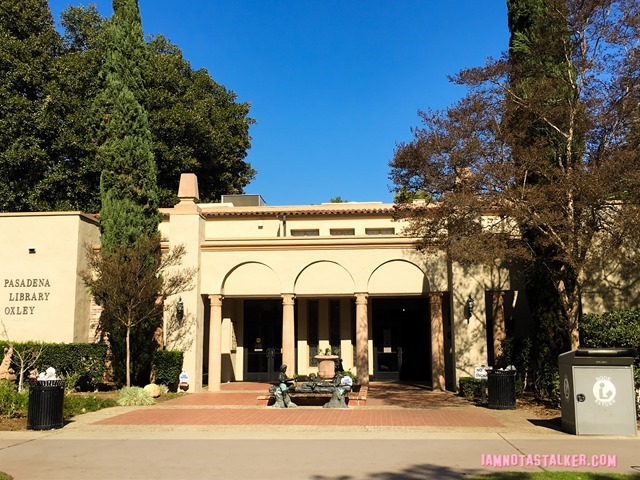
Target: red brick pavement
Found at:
x=387, y=405
x=304, y=416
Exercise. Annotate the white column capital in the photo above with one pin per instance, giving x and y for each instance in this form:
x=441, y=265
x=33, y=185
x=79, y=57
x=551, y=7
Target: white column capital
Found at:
x=216, y=300
x=288, y=299
x=361, y=298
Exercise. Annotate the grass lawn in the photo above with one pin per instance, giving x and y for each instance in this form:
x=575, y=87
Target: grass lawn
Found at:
x=5, y=476
x=555, y=476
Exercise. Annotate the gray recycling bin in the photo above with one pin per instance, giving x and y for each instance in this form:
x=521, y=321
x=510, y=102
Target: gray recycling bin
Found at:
x=597, y=392
x=46, y=405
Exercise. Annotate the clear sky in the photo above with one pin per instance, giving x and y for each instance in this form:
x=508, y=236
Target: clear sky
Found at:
x=334, y=85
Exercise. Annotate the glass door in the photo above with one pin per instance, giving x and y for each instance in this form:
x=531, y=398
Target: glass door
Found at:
x=262, y=339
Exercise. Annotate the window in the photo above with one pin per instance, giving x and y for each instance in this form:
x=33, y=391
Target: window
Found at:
x=342, y=231
x=305, y=233
x=379, y=231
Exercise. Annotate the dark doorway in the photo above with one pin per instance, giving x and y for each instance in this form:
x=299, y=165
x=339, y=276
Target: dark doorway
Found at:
x=401, y=339
x=262, y=339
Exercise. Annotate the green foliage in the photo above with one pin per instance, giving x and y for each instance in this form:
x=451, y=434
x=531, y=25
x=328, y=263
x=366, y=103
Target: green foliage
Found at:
x=470, y=388
x=12, y=403
x=197, y=126
x=167, y=366
x=125, y=281
x=83, y=363
x=134, y=396
x=128, y=185
x=75, y=404
x=536, y=357
x=80, y=364
x=49, y=136
x=352, y=375
x=620, y=328
x=28, y=117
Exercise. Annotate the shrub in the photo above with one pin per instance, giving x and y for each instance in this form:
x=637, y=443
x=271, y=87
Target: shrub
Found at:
x=81, y=364
x=134, y=396
x=616, y=329
x=471, y=388
x=167, y=366
x=76, y=404
x=12, y=403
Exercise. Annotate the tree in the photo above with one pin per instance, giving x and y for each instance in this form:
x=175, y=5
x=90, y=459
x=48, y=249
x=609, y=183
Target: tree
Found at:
x=197, y=127
x=129, y=215
x=565, y=167
x=29, y=123
x=196, y=124
x=132, y=296
x=128, y=188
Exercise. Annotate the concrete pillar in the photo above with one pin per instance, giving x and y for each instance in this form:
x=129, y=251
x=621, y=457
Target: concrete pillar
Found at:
x=362, y=339
x=186, y=227
x=499, y=330
x=215, y=343
x=288, y=331
x=437, y=342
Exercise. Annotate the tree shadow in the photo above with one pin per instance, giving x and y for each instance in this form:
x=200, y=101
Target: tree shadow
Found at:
x=414, y=472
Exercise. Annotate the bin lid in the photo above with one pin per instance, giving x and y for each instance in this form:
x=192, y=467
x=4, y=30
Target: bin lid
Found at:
x=605, y=352
x=598, y=356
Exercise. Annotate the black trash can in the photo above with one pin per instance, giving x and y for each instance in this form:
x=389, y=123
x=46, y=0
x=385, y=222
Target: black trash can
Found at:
x=501, y=386
x=46, y=404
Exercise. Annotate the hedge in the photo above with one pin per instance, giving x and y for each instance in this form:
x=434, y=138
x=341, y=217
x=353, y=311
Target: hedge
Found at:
x=167, y=367
x=81, y=364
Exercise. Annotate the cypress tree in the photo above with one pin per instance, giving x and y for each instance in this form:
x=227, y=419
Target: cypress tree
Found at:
x=129, y=215
x=128, y=187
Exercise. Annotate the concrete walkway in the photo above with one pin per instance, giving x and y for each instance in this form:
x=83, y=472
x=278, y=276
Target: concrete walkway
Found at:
x=404, y=431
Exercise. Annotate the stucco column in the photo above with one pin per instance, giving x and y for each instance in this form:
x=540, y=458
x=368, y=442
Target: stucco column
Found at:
x=288, y=330
x=362, y=339
x=499, y=330
x=215, y=342
x=437, y=342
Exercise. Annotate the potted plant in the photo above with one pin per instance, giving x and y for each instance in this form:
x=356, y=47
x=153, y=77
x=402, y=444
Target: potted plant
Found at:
x=355, y=387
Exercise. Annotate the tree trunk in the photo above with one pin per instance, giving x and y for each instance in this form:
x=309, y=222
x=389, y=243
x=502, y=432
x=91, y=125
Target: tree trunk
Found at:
x=128, y=356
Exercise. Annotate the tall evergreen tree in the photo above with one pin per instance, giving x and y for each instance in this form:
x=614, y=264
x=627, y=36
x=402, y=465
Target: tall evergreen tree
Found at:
x=129, y=215
x=128, y=185
x=29, y=45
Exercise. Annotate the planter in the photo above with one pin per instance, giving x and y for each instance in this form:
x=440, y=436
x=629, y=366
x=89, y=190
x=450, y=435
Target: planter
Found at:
x=326, y=366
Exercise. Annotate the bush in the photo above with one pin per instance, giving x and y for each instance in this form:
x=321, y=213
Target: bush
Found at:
x=617, y=329
x=470, y=388
x=167, y=367
x=76, y=404
x=134, y=397
x=12, y=403
x=81, y=364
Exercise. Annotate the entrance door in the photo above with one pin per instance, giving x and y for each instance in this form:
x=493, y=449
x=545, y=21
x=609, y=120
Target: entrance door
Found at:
x=262, y=339
x=401, y=339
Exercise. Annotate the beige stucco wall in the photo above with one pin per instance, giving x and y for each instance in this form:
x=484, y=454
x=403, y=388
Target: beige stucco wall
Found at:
x=41, y=295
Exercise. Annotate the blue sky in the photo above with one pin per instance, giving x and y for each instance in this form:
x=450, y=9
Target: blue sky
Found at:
x=334, y=85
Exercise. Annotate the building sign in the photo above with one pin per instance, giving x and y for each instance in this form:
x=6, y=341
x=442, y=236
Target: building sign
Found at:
x=23, y=295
